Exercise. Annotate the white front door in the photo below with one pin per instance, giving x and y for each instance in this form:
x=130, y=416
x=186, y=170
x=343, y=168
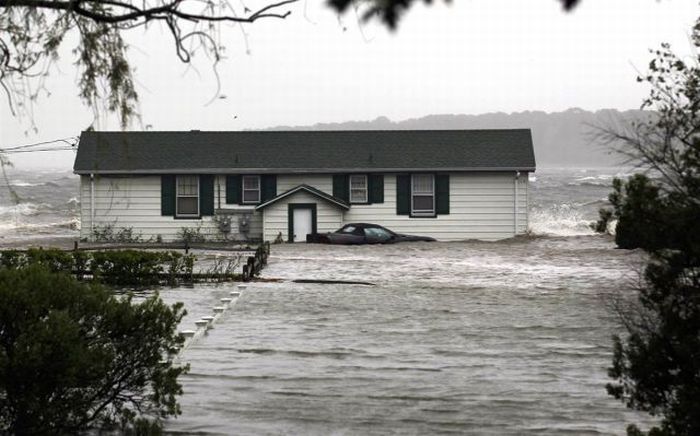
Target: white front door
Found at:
x=302, y=224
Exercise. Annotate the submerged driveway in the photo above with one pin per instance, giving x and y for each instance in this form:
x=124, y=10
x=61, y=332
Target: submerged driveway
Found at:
x=485, y=338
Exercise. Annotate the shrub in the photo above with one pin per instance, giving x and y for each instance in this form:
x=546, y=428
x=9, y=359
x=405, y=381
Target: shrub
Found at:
x=656, y=363
x=189, y=235
x=114, y=267
x=136, y=267
x=73, y=357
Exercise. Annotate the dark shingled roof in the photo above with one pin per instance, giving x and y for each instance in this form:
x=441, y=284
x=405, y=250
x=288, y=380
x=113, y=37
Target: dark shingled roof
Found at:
x=304, y=151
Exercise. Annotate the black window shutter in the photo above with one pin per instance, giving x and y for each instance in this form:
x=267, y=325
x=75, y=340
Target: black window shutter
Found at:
x=376, y=188
x=268, y=187
x=341, y=188
x=403, y=194
x=233, y=189
x=167, y=195
x=442, y=194
x=206, y=195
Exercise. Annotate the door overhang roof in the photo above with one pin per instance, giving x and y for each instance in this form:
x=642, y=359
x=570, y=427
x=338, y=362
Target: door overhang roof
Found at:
x=335, y=201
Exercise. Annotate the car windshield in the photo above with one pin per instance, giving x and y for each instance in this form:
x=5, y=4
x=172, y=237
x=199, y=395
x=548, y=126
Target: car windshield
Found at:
x=346, y=229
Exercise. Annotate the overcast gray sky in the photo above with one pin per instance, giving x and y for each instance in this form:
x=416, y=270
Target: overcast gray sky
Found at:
x=471, y=57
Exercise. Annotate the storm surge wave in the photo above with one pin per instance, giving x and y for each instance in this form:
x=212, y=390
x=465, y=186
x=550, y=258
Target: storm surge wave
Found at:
x=560, y=220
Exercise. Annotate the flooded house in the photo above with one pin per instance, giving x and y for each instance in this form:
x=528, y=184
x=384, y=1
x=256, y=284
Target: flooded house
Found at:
x=283, y=185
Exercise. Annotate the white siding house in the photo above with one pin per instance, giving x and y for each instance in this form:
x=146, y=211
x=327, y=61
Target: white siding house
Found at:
x=450, y=185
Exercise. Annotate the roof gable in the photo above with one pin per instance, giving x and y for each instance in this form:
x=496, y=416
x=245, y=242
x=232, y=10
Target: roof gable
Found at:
x=309, y=189
x=304, y=151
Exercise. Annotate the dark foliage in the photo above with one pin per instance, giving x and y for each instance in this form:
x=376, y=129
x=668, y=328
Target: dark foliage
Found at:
x=656, y=367
x=651, y=219
x=115, y=267
x=390, y=11
x=73, y=357
x=135, y=267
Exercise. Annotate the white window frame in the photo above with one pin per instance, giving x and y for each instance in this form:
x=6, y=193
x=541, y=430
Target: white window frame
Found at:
x=366, y=190
x=425, y=213
x=178, y=195
x=243, y=189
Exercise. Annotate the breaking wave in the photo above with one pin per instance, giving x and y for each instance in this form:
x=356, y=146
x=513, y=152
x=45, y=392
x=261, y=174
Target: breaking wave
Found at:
x=23, y=184
x=69, y=224
x=600, y=180
x=19, y=210
x=560, y=220
x=25, y=219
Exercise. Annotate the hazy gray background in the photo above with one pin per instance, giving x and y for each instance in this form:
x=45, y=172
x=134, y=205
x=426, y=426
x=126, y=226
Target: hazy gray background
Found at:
x=473, y=57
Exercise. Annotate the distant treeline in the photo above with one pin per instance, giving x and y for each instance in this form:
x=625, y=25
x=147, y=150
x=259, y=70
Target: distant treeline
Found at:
x=565, y=138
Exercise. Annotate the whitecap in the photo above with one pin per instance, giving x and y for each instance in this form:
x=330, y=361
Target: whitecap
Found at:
x=20, y=184
x=9, y=227
x=73, y=202
x=20, y=209
x=559, y=220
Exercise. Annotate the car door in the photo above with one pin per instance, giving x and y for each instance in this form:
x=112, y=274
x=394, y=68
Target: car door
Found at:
x=349, y=234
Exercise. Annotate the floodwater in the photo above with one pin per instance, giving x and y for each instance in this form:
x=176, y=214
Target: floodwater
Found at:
x=502, y=338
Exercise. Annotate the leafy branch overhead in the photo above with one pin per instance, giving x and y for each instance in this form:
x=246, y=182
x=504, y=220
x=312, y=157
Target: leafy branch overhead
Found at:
x=390, y=11
x=31, y=32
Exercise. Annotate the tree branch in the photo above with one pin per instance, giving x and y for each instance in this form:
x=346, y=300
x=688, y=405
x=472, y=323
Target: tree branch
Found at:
x=160, y=12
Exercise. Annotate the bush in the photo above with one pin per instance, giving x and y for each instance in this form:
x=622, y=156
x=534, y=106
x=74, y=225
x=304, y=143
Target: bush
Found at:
x=189, y=235
x=605, y=217
x=124, y=235
x=73, y=357
x=656, y=363
x=114, y=267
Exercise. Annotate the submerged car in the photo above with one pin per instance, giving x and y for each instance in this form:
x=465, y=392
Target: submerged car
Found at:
x=362, y=233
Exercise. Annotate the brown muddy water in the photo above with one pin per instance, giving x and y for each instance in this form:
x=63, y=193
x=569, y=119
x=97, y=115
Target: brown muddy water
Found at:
x=499, y=338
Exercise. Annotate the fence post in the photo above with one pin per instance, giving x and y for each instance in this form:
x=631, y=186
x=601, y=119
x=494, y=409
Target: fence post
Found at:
x=251, y=266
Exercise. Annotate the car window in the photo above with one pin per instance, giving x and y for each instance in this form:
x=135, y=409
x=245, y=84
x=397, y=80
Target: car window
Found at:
x=377, y=232
x=351, y=230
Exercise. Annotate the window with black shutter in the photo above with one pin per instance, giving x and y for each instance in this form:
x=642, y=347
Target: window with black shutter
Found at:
x=422, y=195
x=251, y=189
x=187, y=196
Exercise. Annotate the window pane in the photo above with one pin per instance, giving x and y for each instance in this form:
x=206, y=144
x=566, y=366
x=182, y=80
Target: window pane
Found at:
x=187, y=185
x=358, y=188
x=374, y=232
x=187, y=205
x=358, y=182
x=251, y=182
x=358, y=195
x=382, y=233
x=251, y=196
x=422, y=183
x=422, y=203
